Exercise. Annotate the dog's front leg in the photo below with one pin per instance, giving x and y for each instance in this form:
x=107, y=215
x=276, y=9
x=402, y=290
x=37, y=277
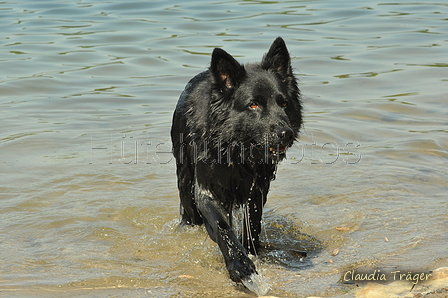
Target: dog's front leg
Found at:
x=216, y=220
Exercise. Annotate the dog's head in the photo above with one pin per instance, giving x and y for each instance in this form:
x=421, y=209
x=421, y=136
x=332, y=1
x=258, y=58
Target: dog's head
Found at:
x=257, y=105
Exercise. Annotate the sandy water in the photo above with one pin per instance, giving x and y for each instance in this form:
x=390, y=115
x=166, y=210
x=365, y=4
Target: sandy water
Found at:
x=89, y=205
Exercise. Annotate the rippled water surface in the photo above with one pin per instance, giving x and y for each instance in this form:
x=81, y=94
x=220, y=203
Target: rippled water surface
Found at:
x=89, y=204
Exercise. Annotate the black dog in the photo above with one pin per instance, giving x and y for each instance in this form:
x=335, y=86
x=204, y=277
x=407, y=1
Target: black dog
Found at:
x=231, y=126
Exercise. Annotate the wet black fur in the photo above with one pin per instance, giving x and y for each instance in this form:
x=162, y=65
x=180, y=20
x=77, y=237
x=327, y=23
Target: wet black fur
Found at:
x=231, y=126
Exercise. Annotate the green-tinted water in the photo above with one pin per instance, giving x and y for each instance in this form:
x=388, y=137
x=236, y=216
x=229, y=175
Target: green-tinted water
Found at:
x=89, y=204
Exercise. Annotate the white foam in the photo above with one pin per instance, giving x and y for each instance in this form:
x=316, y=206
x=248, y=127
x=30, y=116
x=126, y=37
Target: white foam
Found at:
x=257, y=283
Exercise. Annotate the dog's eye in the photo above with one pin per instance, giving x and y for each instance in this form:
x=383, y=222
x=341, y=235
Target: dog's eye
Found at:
x=254, y=105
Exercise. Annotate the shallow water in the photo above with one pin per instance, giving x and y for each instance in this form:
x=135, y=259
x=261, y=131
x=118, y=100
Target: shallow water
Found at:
x=89, y=205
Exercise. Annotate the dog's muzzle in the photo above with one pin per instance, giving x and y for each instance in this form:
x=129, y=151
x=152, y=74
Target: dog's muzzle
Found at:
x=285, y=137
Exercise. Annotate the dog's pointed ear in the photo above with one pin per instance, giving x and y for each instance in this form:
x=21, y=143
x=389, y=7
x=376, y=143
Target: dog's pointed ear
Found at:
x=226, y=72
x=277, y=58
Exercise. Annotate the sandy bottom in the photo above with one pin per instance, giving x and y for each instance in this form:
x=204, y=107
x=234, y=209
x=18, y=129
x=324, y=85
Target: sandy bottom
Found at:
x=436, y=287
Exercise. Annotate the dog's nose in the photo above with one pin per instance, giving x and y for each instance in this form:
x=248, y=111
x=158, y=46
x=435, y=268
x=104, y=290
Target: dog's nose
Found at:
x=285, y=135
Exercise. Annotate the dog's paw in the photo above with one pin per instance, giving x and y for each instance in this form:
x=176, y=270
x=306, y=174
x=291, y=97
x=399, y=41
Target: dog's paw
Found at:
x=241, y=268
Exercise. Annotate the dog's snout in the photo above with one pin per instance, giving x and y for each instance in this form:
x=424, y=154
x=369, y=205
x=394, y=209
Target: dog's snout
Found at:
x=285, y=135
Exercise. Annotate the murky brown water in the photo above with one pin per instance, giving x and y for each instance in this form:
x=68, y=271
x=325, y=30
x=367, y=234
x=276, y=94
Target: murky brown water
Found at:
x=89, y=205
